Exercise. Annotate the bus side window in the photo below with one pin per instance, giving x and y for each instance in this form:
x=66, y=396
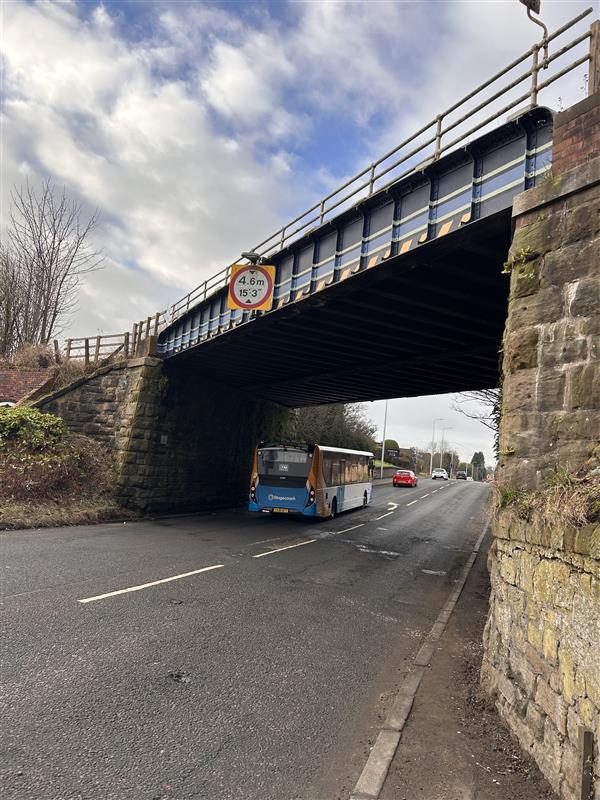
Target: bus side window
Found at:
x=327, y=469
x=336, y=476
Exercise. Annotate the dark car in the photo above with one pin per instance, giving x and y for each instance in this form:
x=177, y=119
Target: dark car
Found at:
x=461, y=475
x=405, y=477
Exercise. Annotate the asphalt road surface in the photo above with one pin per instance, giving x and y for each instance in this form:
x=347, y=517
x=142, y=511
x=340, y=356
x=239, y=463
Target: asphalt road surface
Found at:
x=266, y=676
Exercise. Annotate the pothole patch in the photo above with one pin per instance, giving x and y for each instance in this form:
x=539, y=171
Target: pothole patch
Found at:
x=179, y=677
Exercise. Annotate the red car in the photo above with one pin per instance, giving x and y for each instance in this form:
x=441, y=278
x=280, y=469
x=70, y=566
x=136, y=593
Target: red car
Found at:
x=404, y=477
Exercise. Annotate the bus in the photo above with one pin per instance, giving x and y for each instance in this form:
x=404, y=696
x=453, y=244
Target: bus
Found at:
x=309, y=479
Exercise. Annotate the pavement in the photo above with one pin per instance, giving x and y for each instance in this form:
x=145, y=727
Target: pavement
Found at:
x=220, y=656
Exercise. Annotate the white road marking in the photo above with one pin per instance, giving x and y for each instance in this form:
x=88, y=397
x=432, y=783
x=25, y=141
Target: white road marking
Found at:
x=152, y=583
x=433, y=571
x=412, y=504
x=384, y=515
x=353, y=528
x=434, y=491
x=392, y=506
x=280, y=549
x=264, y=541
x=424, y=495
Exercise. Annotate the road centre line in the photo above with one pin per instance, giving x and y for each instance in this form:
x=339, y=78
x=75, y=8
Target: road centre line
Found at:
x=424, y=495
x=272, y=539
x=147, y=585
x=384, y=515
x=353, y=528
x=288, y=547
x=412, y=504
x=434, y=491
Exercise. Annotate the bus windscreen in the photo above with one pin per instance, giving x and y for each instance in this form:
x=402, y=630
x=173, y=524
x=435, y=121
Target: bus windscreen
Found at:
x=283, y=465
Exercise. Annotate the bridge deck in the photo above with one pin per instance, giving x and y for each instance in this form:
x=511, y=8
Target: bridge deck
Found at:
x=401, y=295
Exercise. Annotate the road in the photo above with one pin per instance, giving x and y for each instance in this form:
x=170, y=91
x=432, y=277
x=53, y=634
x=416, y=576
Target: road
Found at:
x=266, y=676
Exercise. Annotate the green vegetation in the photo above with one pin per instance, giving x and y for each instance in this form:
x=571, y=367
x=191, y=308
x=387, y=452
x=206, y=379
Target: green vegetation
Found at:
x=335, y=425
x=520, y=258
x=565, y=498
x=46, y=472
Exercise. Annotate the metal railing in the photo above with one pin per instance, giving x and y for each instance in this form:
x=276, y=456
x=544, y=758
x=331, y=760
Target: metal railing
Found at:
x=418, y=156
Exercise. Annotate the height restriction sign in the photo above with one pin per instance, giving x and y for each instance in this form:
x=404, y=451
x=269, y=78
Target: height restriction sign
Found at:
x=251, y=287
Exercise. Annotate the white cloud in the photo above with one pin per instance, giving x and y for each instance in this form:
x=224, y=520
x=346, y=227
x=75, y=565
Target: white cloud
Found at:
x=189, y=140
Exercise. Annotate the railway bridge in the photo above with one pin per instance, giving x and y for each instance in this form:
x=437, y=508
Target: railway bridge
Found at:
x=394, y=286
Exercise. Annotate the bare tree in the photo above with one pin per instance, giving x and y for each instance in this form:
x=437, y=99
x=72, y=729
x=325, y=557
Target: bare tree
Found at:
x=48, y=249
x=484, y=406
x=11, y=302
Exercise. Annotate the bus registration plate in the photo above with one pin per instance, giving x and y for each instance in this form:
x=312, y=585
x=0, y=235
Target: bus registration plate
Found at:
x=281, y=510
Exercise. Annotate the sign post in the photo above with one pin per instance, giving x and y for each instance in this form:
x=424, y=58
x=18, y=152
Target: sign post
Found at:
x=251, y=287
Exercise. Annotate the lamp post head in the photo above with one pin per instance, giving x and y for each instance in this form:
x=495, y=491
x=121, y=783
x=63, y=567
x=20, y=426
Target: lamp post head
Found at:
x=534, y=5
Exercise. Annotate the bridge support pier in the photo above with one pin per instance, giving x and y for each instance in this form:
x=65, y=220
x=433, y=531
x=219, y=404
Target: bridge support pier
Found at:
x=181, y=442
x=542, y=639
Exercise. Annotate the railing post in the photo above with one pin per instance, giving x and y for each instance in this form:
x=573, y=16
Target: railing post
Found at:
x=438, y=137
x=156, y=320
x=372, y=179
x=594, y=74
x=148, y=323
x=126, y=344
x=322, y=211
x=86, y=352
x=56, y=352
x=97, y=351
x=534, y=76
x=282, y=243
x=135, y=337
x=68, y=354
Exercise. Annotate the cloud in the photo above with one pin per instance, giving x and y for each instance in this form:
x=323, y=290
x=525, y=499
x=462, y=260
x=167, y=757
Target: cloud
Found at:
x=198, y=129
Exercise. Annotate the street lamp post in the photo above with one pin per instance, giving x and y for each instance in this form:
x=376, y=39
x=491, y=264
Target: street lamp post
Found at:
x=443, y=436
x=383, y=442
x=437, y=419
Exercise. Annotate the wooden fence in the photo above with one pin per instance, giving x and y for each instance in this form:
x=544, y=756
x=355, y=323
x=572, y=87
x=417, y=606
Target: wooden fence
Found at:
x=94, y=350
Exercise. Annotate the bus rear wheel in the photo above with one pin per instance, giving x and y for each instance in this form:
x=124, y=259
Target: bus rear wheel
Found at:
x=333, y=514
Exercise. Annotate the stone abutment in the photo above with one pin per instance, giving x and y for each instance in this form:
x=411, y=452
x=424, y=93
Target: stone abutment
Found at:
x=542, y=639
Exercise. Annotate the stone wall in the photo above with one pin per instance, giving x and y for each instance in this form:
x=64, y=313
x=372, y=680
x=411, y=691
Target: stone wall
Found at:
x=542, y=639
x=181, y=443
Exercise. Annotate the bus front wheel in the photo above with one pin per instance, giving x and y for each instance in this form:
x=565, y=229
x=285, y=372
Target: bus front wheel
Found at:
x=333, y=514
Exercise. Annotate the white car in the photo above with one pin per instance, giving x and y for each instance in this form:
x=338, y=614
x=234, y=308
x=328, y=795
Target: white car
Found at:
x=440, y=474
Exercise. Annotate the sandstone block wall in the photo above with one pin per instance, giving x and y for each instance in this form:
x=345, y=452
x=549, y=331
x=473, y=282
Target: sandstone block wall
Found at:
x=181, y=443
x=542, y=639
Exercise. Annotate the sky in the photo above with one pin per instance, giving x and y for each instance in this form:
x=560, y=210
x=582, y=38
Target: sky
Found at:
x=197, y=129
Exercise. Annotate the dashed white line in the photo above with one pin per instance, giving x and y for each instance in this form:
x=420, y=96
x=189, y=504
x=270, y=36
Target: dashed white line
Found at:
x=353, y=528
x=280, y=549
x=412, y=504
x=384, y=515
x=434, y=491
x=152, y=583
x=424, y=495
